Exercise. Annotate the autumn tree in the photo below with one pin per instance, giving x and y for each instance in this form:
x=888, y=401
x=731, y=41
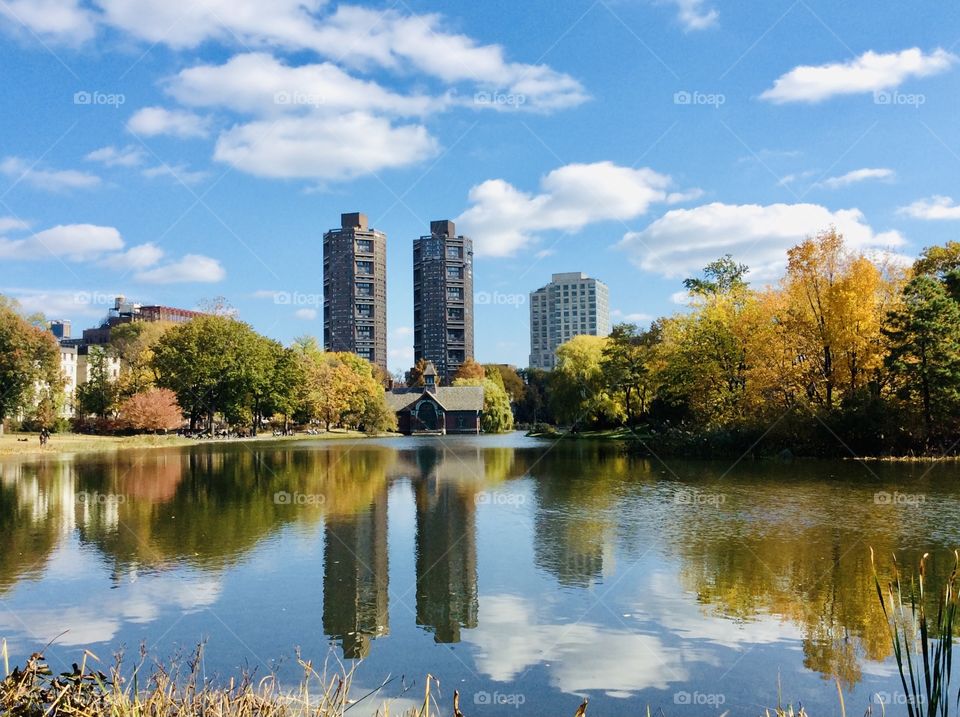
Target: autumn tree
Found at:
x=133, y=344
x=837, y=301
x=155, y=409
x=29, y=358
x=340, y=389
x=414, y=376
x=470, y=369
x=512, y=383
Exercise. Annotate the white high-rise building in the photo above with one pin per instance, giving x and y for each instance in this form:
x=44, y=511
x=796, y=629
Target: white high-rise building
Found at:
x=572, y=304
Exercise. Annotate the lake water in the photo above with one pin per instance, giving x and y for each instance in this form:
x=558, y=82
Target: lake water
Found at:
x=521, y=572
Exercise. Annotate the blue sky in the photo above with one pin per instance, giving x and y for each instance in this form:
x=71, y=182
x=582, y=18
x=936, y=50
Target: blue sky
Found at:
x=175, y=151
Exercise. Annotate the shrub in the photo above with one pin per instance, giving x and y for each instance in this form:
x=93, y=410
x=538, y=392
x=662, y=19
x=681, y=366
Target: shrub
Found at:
x=153, y=410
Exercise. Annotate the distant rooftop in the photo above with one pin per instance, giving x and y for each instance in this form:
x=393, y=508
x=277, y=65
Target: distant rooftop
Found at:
x=569, y=276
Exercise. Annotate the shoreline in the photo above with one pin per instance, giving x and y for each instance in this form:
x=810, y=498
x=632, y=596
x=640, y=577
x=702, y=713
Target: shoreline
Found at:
x=12, y=445
x=627, y=437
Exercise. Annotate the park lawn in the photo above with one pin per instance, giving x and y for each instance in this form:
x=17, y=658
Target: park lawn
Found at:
x=13, y=444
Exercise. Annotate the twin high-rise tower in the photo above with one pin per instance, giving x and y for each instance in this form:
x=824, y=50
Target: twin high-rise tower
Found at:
x=443, y=299
x=355, y=294
x=355, y=289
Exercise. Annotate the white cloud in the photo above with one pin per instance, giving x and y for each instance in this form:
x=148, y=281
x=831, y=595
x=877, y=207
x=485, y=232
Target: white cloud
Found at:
x=260, y=84
x=60, y=20
x=871, y=72
x=858, y=175
x=683, y=241
x=152, y=121
x=54, y=303
x=188, y=23
x=934, y=208
x=129, y=156
x=306, y=314
x=326, y=148
x=634, y=318
x=10, y=223
x=794, y=177
x=178, y=173
x=694, y=16
x=50, y=179
x=137, y=257
x=192, y=268
x=512, y=639
x=73, y=242
x=503, y=219
x=396, y=41
x=354, y=35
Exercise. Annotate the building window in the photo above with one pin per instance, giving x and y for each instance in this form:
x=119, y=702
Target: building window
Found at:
x=454, y=252
x=365, y=311
x=455, y=293
x=365, y=268
x=454, y=272
x=455, y=314
x=364, y=289
x=365, y=333
x=365, y=246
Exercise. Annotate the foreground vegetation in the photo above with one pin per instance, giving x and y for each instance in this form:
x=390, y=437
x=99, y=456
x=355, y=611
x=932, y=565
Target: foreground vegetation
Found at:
x=844, y=354
x=181, y=689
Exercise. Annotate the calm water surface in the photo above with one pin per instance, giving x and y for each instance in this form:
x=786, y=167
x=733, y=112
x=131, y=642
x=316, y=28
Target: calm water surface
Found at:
x=514, y=570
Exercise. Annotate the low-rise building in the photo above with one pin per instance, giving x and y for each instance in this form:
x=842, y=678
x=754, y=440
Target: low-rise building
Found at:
x=125, y=312
x=436, y=410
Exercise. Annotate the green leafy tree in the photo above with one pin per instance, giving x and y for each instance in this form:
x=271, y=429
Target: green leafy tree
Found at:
x=29, y=357
x=625, y=366
x=938, y=261
x=534, y=406
x=924, y=336
x=722, y=276
x=264, y=384
x=578, y=389
x=98, y=395
x=214, y=364
x=497, y=416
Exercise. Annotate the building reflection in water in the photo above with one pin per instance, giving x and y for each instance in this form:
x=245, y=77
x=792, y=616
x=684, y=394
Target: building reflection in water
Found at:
x=446, y=550
x=355, y=578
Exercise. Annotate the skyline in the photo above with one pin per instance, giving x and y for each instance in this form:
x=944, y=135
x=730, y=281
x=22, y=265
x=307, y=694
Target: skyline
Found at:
x=173, y=155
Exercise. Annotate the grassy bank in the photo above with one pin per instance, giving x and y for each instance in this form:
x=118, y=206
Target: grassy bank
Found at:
x=92, y=689
x=28, y=444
